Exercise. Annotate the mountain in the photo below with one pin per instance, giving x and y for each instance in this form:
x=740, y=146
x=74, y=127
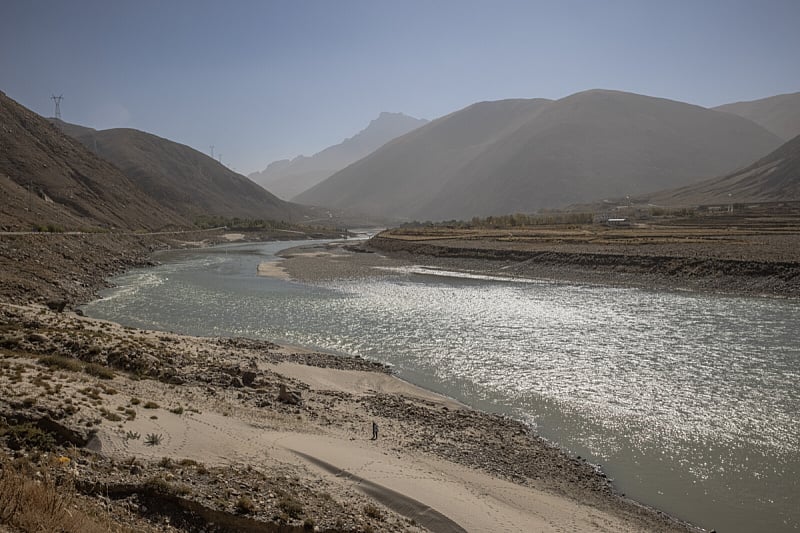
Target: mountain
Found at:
x=178, y=176
x=48, y=178
x=411, y=169
x=773, y=178
x=523, y=155
x=288, y=178
x=778, y=114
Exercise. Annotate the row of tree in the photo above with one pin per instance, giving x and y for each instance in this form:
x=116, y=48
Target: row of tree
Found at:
x=242, y=224
x=509, y=221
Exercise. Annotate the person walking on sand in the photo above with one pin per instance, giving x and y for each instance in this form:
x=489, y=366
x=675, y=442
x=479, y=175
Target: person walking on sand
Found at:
x=374, y=431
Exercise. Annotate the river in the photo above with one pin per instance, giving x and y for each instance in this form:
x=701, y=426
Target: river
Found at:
x=689, y=401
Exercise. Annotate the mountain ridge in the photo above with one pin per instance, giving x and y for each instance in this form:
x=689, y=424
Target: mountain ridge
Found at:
x=524, y=155
x=177, y=175
x=286, y=178
x=772, y=178
x=779, y=114
x=51, y=180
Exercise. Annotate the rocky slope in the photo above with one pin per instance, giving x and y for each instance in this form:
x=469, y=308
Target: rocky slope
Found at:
x=178, y=176
x=50, y=179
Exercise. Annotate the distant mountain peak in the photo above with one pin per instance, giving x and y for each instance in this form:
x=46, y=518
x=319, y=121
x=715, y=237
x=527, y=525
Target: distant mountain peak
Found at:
x=390, y=114
x=288, y=178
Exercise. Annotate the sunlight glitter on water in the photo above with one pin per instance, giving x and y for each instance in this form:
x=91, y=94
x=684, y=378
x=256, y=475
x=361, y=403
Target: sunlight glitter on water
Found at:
x=688, y=400
x=626, y=358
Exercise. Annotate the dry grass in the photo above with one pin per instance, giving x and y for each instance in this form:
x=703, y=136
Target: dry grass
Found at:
x=39, y=506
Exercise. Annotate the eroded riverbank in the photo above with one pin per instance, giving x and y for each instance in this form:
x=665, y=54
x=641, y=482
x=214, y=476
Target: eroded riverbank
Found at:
x=216, y=415
x=653, y=384
x=733, y=263
x=219, y=442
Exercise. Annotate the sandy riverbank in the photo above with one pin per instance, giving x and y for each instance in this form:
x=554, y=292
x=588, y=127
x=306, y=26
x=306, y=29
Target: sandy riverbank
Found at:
x=224, y=438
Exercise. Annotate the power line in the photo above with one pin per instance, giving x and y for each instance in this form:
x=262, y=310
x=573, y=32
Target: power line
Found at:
x=57, y=100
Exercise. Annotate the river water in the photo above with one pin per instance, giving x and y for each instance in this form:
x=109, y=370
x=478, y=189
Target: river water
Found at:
x=689, y=401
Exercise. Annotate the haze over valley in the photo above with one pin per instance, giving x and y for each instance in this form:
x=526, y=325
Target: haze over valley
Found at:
x=524, y=155
x=490, y=158
x=402, y=266
x=289, y=177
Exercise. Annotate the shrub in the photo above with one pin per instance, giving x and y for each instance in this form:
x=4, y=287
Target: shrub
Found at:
x=99, y=371
x=61, y=362
x=182, y=490
x=29, y=437
x=151, y=405
x=39, y=505
x=373, y=511
x=90, y=392
x=245, y=505
x=153, y=439
x=159, y=485
x=291, y=506
x=109, y=415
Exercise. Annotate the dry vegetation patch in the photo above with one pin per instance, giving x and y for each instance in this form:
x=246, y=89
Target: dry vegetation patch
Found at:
x=32, y=501
x=61, y=373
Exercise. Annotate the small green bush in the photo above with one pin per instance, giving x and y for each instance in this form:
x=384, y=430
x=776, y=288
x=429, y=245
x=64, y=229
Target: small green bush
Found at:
x=29, y=437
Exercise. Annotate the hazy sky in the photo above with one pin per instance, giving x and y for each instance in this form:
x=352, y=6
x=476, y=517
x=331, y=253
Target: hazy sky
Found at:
x=265, y=80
